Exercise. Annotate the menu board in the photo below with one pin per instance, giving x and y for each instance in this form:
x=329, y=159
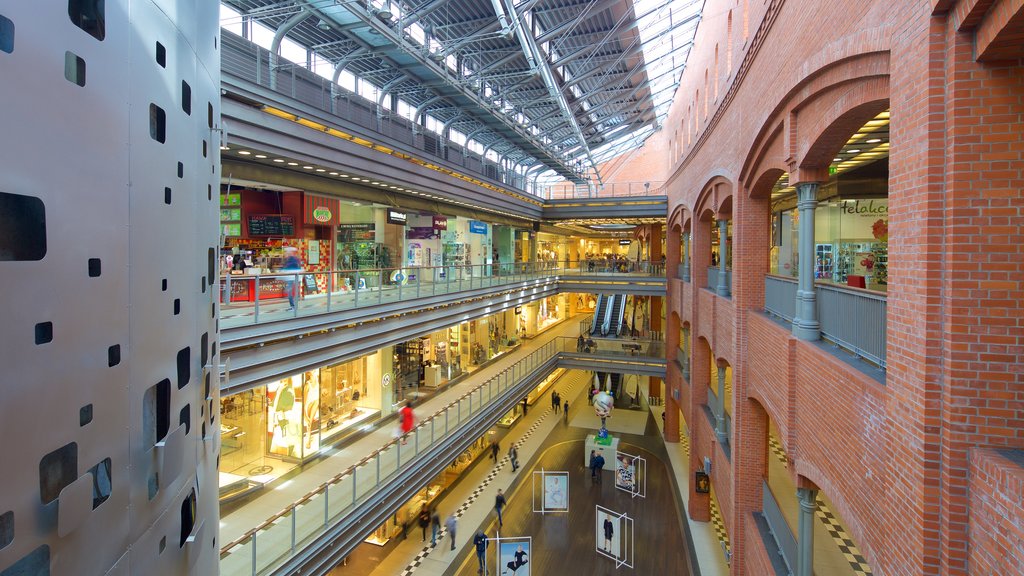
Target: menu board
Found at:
x=271, y=225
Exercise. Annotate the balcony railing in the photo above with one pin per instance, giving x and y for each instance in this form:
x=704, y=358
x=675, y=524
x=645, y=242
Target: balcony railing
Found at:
x=778, y=526
x=565, y=190
x=713, y=273
x=284, y=535
x=254, y=299
x=853, y=318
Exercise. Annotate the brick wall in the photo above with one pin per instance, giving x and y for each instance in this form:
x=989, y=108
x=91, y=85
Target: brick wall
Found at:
x=893, y=458
x=996, y=509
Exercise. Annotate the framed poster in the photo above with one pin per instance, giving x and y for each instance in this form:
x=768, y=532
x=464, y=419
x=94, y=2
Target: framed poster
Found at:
x=613, y=534
x=630, y=474
x=514, y=555
x=550, y=491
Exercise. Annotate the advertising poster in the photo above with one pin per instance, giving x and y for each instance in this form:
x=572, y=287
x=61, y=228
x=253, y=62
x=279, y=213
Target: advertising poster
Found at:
x=625, y=472
x=556, y=492
x=514, y=556
x=609, y=531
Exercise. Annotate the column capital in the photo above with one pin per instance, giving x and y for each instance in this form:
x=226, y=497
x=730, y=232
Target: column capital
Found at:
x=807, y=192
x=808, y=499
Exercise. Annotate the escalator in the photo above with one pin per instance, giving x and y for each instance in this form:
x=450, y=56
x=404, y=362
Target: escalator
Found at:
x=600, y=313
x=618, y=311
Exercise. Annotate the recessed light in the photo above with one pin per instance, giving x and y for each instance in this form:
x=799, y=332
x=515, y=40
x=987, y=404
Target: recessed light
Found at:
x=343, y=175
x=837, y=159
x=244, y=152
x=321, y=170
x=261, y=156
x=307, y=167
x=400, y=189
x=873, y=141
x=225, y=148
x=278, y=160
x=333, y=173
x=374, y=182
x=853, y=151
x=293, y=163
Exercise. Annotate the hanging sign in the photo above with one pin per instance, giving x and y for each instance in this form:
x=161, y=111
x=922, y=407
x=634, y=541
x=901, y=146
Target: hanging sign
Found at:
x=440, y=222
x=477, y=227
x=396, y=217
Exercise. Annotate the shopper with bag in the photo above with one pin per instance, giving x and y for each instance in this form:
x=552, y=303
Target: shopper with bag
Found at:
x=407, y=420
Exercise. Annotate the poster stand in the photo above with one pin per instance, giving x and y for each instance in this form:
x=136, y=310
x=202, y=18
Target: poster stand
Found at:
x=553, y=492
x=631, y=474
x=620, y=546
x=514, y=555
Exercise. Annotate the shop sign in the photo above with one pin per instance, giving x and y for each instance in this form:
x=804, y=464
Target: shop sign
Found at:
x=322, y=214
x=519, y=309
x=386, y=379
x=625, y=242
x=865, y=207
x=477, y=227
x=396, y=217
x=230, y=199
x=702, y=484
x=363, y=227
x=421, y=233
x=440, y=222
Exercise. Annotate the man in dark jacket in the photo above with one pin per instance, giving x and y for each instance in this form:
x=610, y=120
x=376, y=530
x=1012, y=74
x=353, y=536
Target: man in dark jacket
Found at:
x=480, y=541
x=596, y=465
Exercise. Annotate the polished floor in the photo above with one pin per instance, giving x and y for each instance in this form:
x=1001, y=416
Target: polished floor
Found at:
x=566, y=543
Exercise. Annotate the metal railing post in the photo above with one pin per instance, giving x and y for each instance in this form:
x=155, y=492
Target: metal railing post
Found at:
x=330, y=288
x=254, y=554
x=355, y=304
x=256, y=309
x=294, y=514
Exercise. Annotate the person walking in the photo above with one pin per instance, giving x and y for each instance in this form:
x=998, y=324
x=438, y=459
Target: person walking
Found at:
x=494, y=450
x=590, y=463
x=580, y=342
x=451, y=524
x=525, y=406
x=565, y=410
x=293, y=267
x=499, y=505
x=435, y=527
x=424, y=521
x=554, y=399
x=406, y=421
x=513, y=457
x=480, y=542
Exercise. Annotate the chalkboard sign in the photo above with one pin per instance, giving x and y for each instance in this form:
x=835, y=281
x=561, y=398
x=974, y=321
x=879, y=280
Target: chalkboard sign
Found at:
x=271, y=225
x=310, y=282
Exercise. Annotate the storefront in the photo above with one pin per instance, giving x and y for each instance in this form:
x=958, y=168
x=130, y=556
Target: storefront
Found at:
x=516, y=413
x=269, y=430
x=542, y=314
x=467, y=249
x=552, y=248
x=851, y=242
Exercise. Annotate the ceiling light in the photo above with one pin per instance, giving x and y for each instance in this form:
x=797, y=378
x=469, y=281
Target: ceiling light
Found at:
x=333, y=173
x=837, y=159
x=293, y=163
x=374, y=182
x=307, y=167
x=873, y=141
x=321, y=170
x=244, y=152
x=278, y=160
x=225, y=148
x=854, y=151
x=343, y=175
x=261, y=156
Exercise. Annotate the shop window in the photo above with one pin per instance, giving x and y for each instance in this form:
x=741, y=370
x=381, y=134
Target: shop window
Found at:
x=157, y=123
x=188, y=517
x=114, y=355
x=156, y=412
x=22, y=228
x=6, y=34
x=184, y=360
x=89, y=15
x=44, y=332
x=161, y=55
x=57, y=470
x=101, y=483
x=167, y=195
x=36, y=563
x=94, y=267
x=85, y=415
x=74, y=68
x=6, y=529
x=185, y=418
x=186, y=98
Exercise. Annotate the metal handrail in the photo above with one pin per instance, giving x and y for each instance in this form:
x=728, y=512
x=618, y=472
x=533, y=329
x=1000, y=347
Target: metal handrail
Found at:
x=475, y=398
x=341, y=289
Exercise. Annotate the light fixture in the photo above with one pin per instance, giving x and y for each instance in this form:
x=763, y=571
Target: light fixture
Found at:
x=873, y=141
x=293, y=163
x=225, y=148
x=333, y=173
x=278, y=160
x=321, y=170
x=261, y=156
x=244, y=152
x=837, y=159
x=854, y=151
x=307, y=167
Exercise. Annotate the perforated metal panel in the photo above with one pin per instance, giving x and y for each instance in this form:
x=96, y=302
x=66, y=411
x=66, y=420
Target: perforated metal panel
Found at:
x=110, y=121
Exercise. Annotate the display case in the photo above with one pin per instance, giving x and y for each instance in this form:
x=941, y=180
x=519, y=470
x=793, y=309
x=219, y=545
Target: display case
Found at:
x=823, y=262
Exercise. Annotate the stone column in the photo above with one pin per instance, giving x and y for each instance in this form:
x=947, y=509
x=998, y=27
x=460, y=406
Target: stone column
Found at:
x=723, y=254
x=686, y=256
x=805, y=529
x=805, y=324
x=720, y=432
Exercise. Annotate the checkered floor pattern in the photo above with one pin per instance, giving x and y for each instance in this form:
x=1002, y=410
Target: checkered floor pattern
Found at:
x=684, y=442
x=858, y=563
x=427, y=550
x=776, y=448
x=719, y=524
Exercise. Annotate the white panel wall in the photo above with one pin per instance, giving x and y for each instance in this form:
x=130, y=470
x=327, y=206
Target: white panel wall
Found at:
x=87, y=153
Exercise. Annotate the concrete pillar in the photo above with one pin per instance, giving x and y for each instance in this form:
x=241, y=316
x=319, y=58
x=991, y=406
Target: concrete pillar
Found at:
x=686, y=256
x=532, y=257
x=805, y=529
x=805, y=324
x=720, y=432
x=723, y=254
